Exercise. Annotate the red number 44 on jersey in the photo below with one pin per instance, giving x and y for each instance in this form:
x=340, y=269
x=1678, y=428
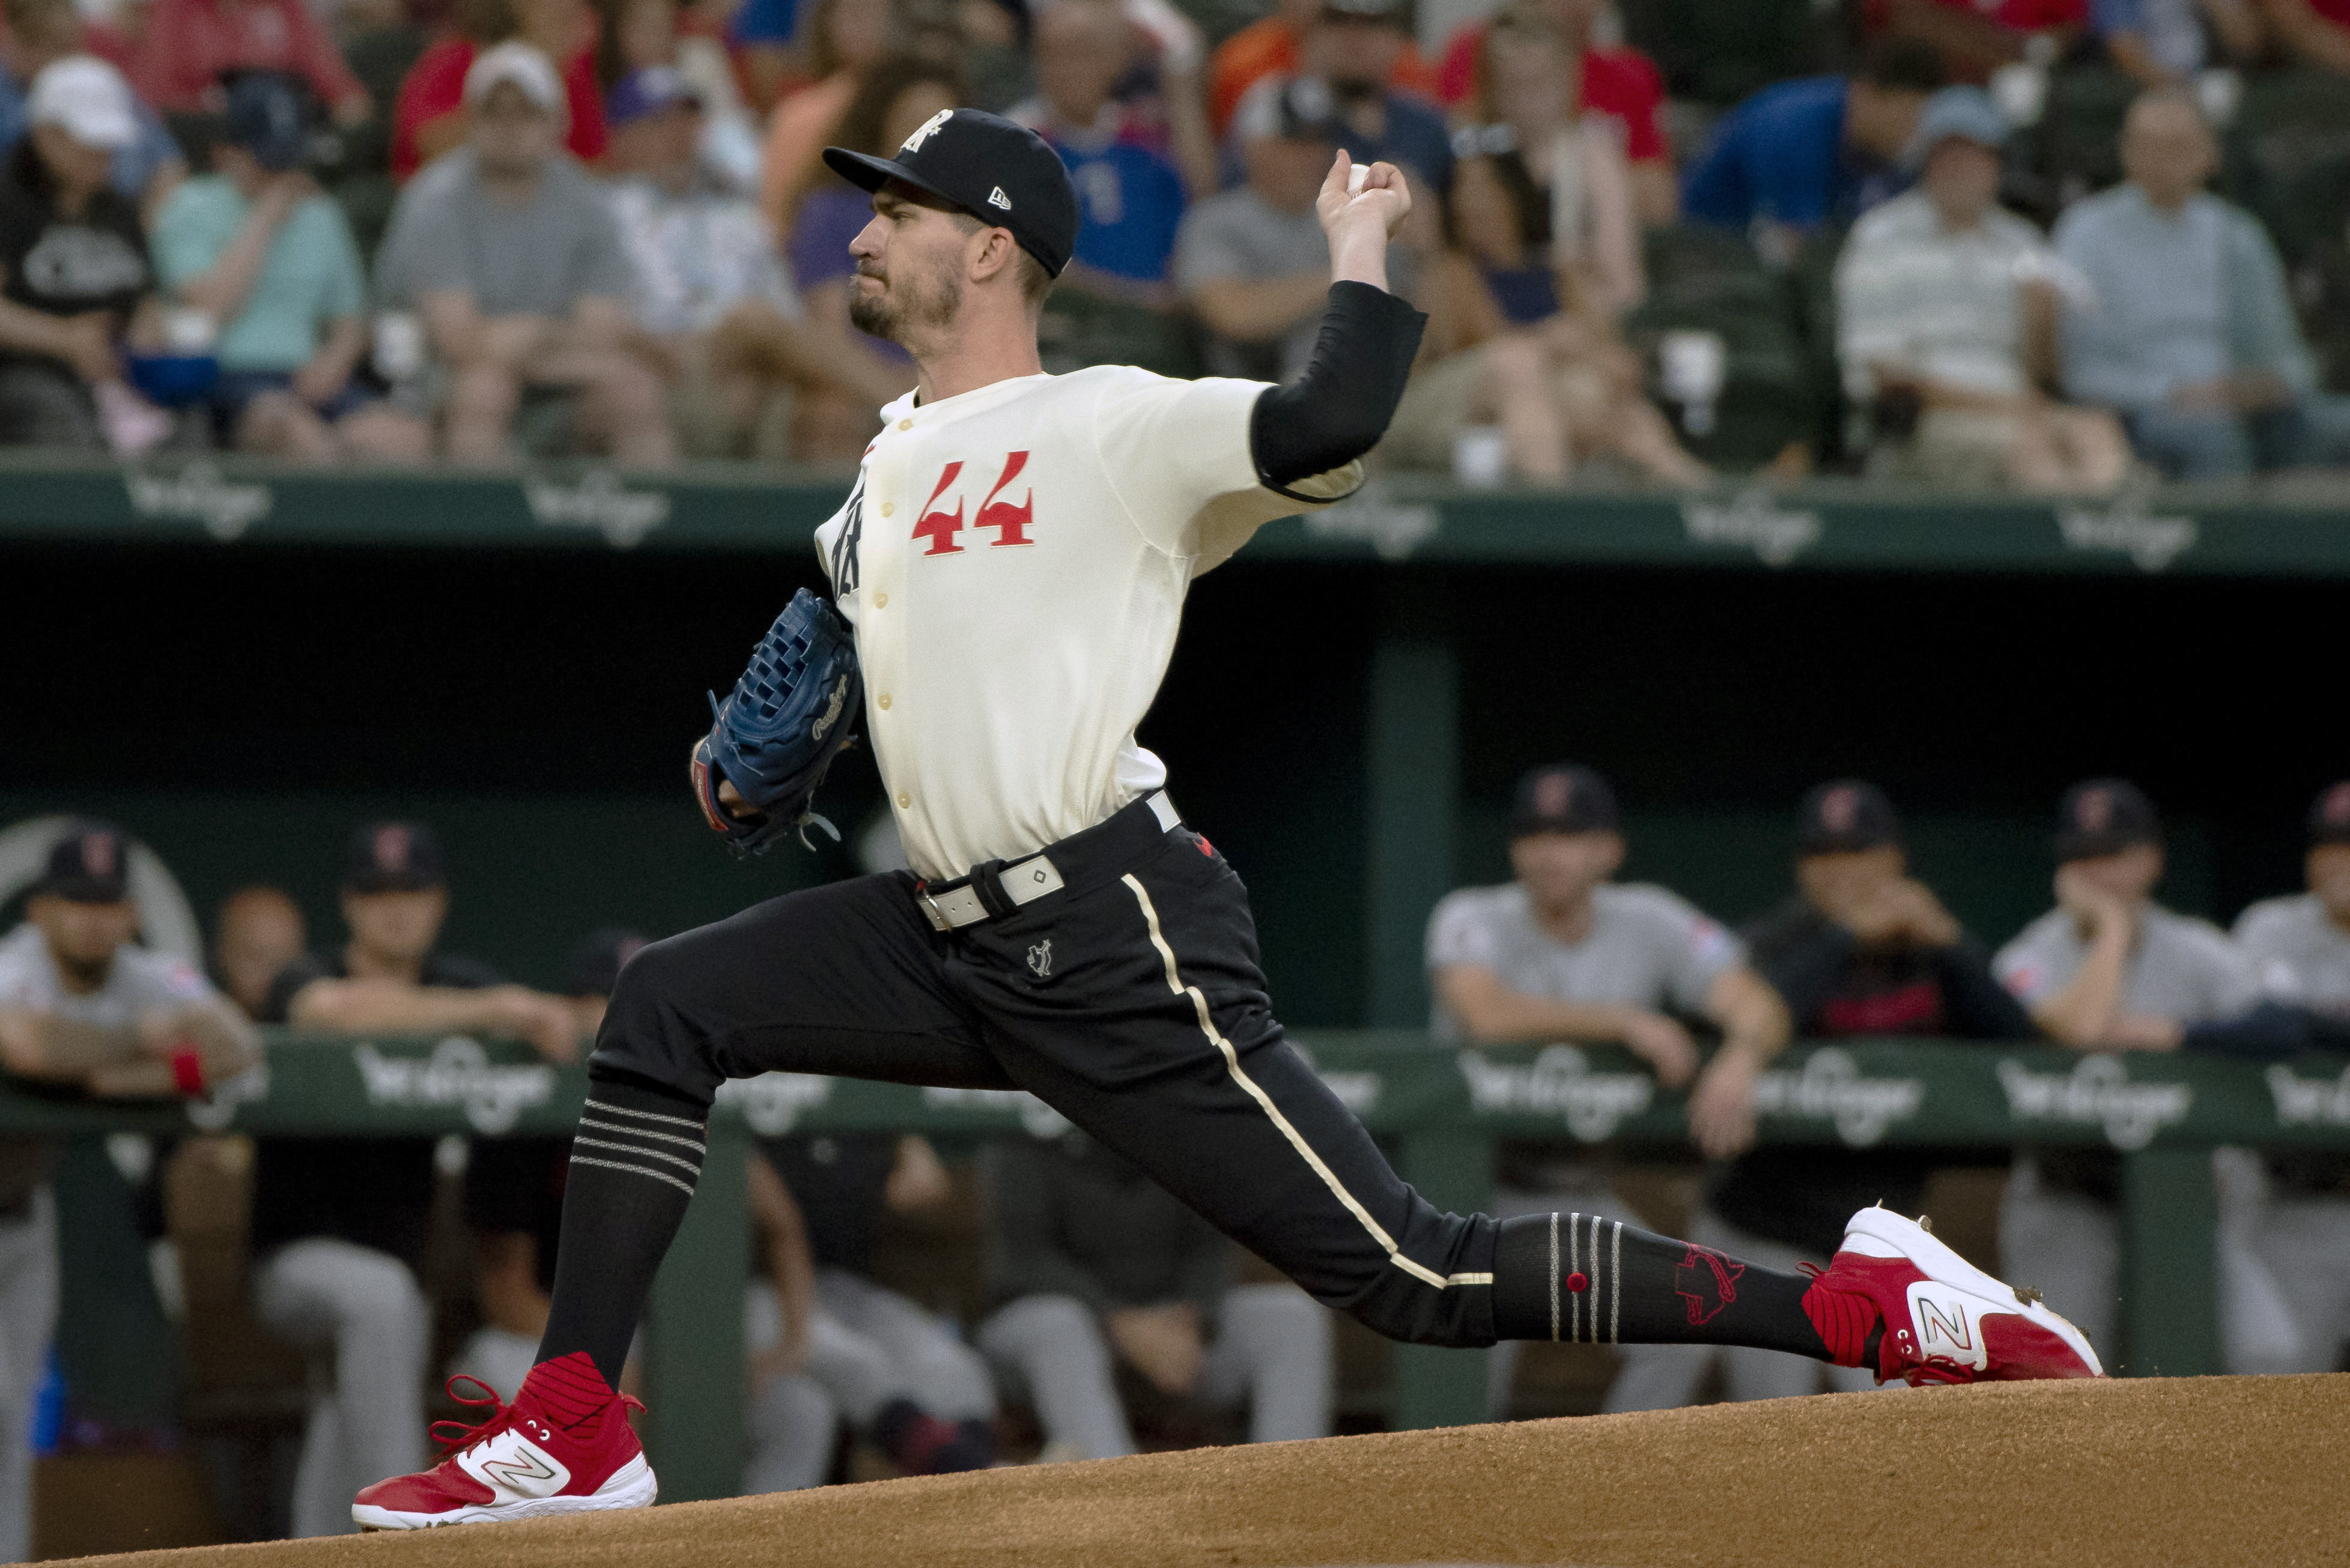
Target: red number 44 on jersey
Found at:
x=939, y=526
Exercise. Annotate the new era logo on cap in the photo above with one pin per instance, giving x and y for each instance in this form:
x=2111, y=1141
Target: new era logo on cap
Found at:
x=996, y=198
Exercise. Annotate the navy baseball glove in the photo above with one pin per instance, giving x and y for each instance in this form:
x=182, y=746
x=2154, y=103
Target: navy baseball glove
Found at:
x=792, y=712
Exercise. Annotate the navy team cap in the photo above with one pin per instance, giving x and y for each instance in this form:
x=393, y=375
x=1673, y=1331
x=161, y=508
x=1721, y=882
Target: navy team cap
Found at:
x=2329, y=815
x=1844, y=816
x=1562, y=797
x=984, y=165
x=2105, y=816
x=90, y=864
x=394, y=857
x=269, y=116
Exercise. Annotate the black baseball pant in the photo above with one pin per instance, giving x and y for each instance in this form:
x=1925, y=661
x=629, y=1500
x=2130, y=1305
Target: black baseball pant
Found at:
x=1132, y=1001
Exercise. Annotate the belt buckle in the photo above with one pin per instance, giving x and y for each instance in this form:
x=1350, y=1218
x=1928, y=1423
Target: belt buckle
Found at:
x=936, y=916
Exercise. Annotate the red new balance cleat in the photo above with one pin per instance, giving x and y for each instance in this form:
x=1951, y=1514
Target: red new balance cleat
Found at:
x=1945, y=1320
x=562, y=1447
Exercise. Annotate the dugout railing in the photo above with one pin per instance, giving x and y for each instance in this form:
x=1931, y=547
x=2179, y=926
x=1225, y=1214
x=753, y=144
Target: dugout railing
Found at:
x=1440, y=1111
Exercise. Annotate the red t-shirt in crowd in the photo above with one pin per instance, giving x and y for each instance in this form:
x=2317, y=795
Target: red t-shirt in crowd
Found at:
x=435, y=86
x=2016, y=16
x=2334, y=11
x=189, y=42
x=1621, y=83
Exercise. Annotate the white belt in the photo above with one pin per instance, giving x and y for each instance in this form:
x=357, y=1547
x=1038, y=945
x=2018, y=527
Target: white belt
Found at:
x=1023, y=881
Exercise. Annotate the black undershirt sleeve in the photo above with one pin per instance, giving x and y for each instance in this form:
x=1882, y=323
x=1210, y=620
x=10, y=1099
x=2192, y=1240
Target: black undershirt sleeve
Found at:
x=1340, y=406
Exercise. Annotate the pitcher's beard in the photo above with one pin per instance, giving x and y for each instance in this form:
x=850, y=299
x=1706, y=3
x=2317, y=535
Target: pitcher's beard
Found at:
x=880, y=316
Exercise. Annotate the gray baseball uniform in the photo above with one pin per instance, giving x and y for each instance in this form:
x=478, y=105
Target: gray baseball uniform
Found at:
x=2057, y=1229
x=2302, y=956
x=1648, y=947
x=137, y=980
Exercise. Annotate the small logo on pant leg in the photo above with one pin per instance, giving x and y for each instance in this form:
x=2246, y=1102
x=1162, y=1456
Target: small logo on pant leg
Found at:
x=1706, y=1282
x=1040, y=959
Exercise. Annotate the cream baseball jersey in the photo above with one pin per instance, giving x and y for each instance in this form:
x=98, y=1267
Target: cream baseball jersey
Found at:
x=1013, y=561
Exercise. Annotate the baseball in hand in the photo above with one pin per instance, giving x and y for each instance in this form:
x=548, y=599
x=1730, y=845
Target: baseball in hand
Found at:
x=1355, y=178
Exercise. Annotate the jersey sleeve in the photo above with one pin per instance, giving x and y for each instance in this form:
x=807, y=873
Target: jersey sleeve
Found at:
x=2030, y=969
x=1457, y=933
x=1702, y=951
x=1168, y=448
x=2233, y=985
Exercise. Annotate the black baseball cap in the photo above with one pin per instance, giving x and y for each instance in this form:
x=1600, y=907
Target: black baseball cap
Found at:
x=1846, y=814
x=984, y=165
x=1562, y=797
x=2329, y=814
x=394, y=857
x=2105, y=816
x=269, y=116
x=90, y=864
x=596, y=962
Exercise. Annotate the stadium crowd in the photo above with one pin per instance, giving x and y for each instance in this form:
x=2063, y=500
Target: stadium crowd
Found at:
x=1958, y=242
x=1050, y=1277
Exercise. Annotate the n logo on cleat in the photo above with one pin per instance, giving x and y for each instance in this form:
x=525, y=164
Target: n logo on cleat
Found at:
x=509, y=1463
x=1946, y=1330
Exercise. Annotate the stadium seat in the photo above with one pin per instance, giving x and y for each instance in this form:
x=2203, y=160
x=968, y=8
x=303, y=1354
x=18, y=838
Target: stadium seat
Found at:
x=1709, y=280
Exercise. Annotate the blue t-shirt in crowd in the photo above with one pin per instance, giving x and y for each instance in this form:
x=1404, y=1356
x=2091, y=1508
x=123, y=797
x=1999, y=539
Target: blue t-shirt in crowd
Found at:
x=1413, y=138
x=133, y=166
x=1129, y=199
x=765, y=22
x=1781, y=156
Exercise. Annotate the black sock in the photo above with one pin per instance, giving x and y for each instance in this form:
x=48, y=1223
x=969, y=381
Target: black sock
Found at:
x=1639, y=1288
x=633, y=1167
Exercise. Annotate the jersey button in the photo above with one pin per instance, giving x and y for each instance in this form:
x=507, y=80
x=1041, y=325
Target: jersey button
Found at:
x=884, y=702
x=905, y=801
x=889, y=507
x=905, y=424
x=880, y=601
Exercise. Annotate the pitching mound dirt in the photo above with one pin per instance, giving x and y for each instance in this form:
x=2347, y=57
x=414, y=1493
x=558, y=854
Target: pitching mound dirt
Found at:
x=2253, y=1469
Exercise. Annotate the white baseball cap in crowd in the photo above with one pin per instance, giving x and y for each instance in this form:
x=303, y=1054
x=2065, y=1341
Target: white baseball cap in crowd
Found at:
x=86, y=99
x=524, y=65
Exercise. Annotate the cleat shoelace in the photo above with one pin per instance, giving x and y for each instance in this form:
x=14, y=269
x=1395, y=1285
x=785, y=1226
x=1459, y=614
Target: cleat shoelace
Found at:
x=453, y=1436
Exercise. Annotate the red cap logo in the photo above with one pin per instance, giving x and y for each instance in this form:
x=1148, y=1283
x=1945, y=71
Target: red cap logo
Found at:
x=98, y=857
x=2336, y=809
x=1840, y=809
x=2093, y=812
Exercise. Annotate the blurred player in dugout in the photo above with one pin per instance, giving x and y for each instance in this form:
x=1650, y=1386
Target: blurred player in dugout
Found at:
x=338, y=1223
x=82, y=1004
x=2300, y=944
x=1565, y=954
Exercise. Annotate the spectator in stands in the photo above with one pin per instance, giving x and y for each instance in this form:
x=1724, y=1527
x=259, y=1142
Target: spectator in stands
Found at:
x=338, y=1223
x=190, y=47
x=260, y=249
x=713, y=290
x=2107, y=969
x=2187, y=332
x=1517, y=341
x=1092, y=1259
x=2315, y=32
x=510, y=253
x=1129, y=193
x=842, y=40
x=645, y=34
x=77, y=283
x=1253, y=262
x=81, y=1004
x=1818, y=153
x=894, y=99
x=1619, y=83
x=43, y=31
x=1563, y=952
x=258, y=932
x=897, y=1374
x=1272, y=46
x=2166, y=42
x=1350, y=52
x=431, y=118
x=1946, y=309
x=1862, y=950
x=2302, y=946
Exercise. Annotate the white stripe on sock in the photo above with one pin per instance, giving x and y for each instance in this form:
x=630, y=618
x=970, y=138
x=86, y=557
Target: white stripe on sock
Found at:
x=637, y=1170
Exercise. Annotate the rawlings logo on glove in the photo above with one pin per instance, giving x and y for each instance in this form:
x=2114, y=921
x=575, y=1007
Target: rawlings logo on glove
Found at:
x=776, y=734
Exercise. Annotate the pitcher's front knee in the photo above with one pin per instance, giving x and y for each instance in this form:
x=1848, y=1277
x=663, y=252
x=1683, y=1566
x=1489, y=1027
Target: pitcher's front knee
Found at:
x=1403, y=1307
x=647, y=1031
